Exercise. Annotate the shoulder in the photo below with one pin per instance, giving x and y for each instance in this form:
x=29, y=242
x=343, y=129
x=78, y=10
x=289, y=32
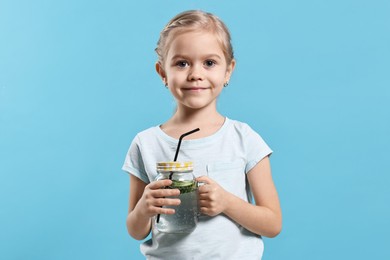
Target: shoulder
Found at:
x=250, y=142
x=245, y=133
x=241, y=128
x=151, y=131
x=146, y=135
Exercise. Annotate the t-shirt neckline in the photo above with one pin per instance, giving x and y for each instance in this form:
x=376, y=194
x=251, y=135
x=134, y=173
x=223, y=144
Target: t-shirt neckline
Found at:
x=194, y=142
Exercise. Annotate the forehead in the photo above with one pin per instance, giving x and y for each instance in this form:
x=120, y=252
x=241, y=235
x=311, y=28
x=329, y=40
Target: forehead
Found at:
x=194, y=42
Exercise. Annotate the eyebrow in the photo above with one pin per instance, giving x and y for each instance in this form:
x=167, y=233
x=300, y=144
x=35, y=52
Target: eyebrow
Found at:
x=181, y=56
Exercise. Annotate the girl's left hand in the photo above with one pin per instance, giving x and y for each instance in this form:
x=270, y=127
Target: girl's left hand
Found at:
x=212, y=197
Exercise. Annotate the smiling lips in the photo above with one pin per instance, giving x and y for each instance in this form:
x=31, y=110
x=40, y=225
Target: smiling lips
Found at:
x=194, y=89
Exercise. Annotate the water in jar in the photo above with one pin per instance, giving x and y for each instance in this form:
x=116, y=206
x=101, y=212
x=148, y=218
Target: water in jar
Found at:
x=186, y=214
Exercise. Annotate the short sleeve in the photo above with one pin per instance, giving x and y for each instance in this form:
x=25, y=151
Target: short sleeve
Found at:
x=256, y=148
x=134, y=162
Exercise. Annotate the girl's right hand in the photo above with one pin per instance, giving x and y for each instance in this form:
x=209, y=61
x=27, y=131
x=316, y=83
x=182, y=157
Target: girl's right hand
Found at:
x=155, y=197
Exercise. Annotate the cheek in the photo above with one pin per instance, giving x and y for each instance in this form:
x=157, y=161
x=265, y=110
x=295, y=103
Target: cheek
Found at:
x=175, y=78
x=219, y=79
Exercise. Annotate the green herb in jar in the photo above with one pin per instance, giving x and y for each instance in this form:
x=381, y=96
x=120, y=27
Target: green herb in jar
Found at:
x=183, y=186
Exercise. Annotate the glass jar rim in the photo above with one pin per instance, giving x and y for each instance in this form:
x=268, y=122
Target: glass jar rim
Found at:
x=174, y=166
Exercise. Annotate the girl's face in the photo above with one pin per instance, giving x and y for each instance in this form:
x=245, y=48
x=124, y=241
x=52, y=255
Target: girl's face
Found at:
x=195, y=69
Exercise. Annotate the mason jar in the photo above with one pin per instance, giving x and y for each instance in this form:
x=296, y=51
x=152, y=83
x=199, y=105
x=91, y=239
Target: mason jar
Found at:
x=186, y=214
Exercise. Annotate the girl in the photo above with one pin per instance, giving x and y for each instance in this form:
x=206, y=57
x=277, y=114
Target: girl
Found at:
x=195, y=62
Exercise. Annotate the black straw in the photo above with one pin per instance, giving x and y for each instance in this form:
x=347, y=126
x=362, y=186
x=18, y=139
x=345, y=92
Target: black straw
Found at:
x=180, y=138
x=176, y=154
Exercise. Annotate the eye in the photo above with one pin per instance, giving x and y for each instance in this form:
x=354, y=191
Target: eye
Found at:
x=182, y=64
x=209, y=63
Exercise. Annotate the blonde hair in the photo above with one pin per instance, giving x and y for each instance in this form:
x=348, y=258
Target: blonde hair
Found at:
x=195, y=20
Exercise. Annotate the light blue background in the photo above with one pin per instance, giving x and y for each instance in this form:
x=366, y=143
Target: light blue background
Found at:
x=77, y=82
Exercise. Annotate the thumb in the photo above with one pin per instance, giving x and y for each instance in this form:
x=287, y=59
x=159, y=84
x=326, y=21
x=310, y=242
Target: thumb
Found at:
x=204, y=179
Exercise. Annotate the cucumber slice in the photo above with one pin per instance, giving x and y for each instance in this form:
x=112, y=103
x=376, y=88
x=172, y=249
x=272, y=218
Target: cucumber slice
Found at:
x=184, y=186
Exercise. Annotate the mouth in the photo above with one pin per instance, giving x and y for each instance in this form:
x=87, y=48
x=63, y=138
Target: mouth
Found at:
x=197, y=89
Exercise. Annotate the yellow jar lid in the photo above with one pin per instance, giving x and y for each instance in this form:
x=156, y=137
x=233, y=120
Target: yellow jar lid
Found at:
x=174, y=166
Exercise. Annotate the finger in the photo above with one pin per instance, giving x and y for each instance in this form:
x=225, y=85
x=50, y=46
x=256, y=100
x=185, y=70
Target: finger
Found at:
x=206, y=202
x=203, y=203
x=204, y=210
x=166, y=211
x=165, y=193
x=167, y=202
x=204, y=179
x=206, y=188
x=159, y=184
x=203, y=196
x=209, y=211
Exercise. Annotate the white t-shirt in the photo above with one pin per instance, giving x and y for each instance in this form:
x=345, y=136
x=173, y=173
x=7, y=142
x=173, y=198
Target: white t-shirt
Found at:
x=226, y=157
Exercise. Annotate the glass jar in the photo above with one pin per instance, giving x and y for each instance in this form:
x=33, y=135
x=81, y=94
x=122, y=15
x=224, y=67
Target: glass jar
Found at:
x=186, y=214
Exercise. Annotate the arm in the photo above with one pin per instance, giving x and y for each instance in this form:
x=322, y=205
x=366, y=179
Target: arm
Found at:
x=145, y=202
x=263, y=218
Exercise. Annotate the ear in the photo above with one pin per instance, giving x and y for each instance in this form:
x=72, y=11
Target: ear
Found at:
x=161, y=72
x=229, y=70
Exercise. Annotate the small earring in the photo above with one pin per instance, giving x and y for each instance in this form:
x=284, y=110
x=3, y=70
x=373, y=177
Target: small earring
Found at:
x=226, y=84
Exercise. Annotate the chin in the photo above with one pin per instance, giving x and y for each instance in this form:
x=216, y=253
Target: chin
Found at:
x=197, y=105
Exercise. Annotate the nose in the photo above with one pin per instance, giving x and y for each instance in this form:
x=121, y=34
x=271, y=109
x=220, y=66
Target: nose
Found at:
x=195, y=73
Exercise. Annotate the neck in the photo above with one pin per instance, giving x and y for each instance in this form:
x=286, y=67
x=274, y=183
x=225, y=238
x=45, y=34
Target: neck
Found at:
x=185, y=119
x=205, y=116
